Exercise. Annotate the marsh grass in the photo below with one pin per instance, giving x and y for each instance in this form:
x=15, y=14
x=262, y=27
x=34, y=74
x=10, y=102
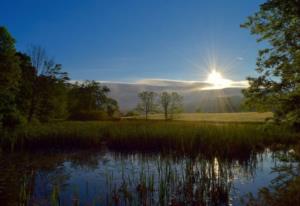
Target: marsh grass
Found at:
x=137, y=135
x=237, y=117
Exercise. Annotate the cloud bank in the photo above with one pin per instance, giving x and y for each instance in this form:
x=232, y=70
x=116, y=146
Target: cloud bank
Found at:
x=195, y=93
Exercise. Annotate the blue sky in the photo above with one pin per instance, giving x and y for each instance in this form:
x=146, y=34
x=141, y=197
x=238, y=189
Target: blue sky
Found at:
x=128, y=40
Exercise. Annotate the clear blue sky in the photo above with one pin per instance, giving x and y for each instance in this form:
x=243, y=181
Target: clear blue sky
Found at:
x=127, y=40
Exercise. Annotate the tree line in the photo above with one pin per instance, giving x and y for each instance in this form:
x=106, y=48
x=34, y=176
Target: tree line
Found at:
x=33, y=87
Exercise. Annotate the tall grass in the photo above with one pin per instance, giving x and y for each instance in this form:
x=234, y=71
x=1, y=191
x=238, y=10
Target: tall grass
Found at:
x=213, y=117
x=182, y=137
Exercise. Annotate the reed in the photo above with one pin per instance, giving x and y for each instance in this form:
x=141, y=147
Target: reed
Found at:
x=183, y=137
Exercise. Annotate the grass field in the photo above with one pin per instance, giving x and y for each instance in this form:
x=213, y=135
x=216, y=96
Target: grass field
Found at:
x=215, y=117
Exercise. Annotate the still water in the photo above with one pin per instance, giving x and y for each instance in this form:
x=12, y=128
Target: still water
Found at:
x=112, y=178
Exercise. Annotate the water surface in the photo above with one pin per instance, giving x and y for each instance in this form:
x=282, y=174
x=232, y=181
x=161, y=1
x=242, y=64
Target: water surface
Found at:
x=113, y=178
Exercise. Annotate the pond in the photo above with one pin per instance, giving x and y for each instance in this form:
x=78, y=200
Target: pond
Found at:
x=118, y=178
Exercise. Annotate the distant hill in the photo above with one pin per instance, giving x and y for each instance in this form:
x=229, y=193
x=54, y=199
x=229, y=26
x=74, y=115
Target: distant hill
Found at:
x=221, y=100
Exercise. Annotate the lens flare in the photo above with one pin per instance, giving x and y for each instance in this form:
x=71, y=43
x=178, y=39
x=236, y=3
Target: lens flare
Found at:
x=217, y=81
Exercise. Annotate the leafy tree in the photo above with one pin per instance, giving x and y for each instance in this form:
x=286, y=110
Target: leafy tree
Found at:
x=147, y=102
x=165, y=102
x=171, y=103
x=38, y=60
x=49, y=92
x=176, y=104
x=9, y=76
x=277, y=86
x=89, y=100
x=28, y=76
x=87, y=96
x=111, y=106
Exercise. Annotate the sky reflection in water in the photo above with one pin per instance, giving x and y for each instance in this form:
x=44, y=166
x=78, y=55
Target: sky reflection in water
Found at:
x=109, y=178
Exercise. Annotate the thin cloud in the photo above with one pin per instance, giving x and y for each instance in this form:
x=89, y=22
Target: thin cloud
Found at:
x=171, y=83
x=180, y=83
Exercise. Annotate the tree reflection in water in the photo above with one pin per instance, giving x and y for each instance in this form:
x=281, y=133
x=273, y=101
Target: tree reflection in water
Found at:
x=114, y=178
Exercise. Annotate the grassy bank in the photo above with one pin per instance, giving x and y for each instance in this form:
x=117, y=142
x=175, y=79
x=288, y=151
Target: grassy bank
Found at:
x=182, y=137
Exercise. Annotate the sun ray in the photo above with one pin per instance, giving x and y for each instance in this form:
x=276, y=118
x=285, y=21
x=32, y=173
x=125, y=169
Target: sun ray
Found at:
x=217, y=81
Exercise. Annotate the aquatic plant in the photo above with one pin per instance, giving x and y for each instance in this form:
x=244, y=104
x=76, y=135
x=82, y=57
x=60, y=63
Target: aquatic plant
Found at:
x=181, y=137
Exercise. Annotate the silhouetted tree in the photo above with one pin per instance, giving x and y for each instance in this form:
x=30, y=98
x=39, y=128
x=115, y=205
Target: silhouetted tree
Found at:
x=176, y=104
x=38, y=60
x=277, y=87
x=111, y=106
x=171, y=103
x=28, y=78
x=49, y=92
x=147, y=103
x=88, y=100
x=10, y=74
x=165, y=101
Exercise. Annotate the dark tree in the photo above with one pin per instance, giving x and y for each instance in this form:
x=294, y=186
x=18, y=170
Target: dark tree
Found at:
x=277, y=86
x=10, y=74
x=147, y=103
x=171, y=103
x=49, y=92
x=165, y=102
x=89, y=101
x=28, y=77
x=176, y=104
x=111, y=106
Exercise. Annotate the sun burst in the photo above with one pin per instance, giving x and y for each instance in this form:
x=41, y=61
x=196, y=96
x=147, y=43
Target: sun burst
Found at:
x=217, y=80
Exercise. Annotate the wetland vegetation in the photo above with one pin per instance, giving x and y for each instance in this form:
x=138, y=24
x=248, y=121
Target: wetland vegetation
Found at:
x=66, y=142
x=139, y=135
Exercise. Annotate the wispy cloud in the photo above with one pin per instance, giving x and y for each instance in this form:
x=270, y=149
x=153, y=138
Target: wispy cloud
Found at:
x=164, y=82
x=200, y=85
x=171, y=83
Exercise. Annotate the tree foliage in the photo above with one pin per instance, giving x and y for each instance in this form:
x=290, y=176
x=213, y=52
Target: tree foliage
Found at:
x=147, y=103
x=277, y=86
x=176, y=104
x=165, y=101
x=10, y=74
x=28, y=76
x=34, y=87
x=171, y=103
x=90, y=99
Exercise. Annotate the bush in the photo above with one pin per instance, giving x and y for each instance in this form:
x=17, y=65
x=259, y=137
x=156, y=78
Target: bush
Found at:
x=13, y=120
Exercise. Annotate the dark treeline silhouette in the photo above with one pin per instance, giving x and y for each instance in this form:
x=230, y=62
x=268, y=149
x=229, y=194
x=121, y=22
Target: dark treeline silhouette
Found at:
x=89, y=101
x=35, y=88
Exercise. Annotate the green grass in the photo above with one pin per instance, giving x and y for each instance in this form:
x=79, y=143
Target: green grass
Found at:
x=214, y=117
x=183, y=137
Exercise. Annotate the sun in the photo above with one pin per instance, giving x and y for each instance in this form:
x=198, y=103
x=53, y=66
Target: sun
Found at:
x=217, y=81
